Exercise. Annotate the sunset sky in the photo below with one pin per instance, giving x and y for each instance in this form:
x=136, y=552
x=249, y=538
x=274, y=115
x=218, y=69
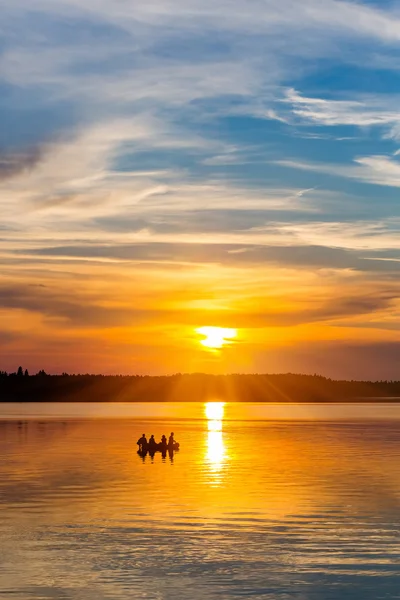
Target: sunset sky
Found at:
x=169, y=165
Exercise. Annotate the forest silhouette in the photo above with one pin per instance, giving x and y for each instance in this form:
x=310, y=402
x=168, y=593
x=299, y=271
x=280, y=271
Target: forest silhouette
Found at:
x=196, y=387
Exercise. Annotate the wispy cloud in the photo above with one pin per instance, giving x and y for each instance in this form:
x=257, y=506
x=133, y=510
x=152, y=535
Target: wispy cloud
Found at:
x=14, y=163
x=359, y=113
x=379, y=170
x=54, y=306
x=141, y=177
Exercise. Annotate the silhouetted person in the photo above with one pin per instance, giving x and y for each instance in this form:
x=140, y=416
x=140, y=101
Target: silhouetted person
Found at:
x=163, y=442
x=142, y=443
x=171, y=441
x=152, y=444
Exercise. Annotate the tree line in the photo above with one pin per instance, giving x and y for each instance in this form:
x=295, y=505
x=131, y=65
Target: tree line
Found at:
x=20, y=372
x=195, y=387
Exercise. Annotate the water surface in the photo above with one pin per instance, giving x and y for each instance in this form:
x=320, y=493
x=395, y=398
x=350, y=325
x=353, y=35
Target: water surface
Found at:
x=293, y=503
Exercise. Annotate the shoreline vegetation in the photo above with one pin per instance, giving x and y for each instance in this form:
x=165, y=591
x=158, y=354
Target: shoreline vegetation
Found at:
x=196, y=387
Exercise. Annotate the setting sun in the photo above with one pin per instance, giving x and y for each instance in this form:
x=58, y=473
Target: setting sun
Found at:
x=216, y=337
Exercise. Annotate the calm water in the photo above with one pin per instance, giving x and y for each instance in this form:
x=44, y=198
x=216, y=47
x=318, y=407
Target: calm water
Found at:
x=273, y=502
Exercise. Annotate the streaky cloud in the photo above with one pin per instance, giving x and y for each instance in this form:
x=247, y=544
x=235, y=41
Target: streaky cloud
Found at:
x=306, y=256
x=15, y=163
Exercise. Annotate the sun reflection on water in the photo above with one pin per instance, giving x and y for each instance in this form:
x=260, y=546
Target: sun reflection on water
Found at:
x=215, y=451
x=214, y=425
x=214, y=411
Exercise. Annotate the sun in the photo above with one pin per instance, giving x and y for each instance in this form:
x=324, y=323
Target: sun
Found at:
x=216, y=337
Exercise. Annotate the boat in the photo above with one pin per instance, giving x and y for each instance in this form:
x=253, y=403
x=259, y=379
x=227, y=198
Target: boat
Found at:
x=160, y=448
x=164, y=447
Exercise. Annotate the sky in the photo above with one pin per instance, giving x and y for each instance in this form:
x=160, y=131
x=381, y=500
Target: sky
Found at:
x=172, y=165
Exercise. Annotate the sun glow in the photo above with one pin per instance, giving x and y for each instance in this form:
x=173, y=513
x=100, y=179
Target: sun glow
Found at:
x=216, y=337
x=214, y=411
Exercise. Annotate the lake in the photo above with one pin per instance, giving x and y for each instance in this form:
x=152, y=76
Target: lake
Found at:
x=262, y=501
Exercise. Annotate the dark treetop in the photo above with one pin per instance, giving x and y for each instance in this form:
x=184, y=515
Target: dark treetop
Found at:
x=196, y=387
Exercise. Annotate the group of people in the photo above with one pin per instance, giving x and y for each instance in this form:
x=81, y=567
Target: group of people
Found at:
x=152, y=446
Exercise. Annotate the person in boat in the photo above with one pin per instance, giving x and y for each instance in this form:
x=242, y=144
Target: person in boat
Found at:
x=163, y=442
x=152, y=444
x=142, y=443
x=171, y=440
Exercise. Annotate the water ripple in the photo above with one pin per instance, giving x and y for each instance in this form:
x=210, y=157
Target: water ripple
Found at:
x=278, y=510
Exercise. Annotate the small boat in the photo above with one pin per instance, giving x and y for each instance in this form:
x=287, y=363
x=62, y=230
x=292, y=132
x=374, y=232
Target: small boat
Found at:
x=163, y=447
x=159, y=448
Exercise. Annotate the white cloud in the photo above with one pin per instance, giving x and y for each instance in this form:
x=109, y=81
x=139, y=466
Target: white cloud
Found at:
x=259, y=44
x=379, y=170
x=146, y=64
x=232, y=15
x=379, y=110
x=357, y=235
x=77, y=179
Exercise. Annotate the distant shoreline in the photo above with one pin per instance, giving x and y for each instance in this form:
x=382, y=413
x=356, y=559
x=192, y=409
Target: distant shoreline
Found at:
x=376, y=401
x=286, y=388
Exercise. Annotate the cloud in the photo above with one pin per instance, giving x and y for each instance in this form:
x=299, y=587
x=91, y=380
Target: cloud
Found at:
x=337, y=359
x=253, y=227
x=83, y=310
x=365, y=235
x=171, y=118
x=378, y=110
x=215, y=220
x=7, y=337
x=55, y=304
x=135, y=51
x=305, y=256
x=258, y=16
x=12, y=164
x=358, y=113
x=342, y=309
x=378, y=170
x=80, y=167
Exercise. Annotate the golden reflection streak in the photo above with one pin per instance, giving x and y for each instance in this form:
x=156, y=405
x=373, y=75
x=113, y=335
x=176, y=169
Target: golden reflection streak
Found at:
x=214, y=425
x=216, y=451
x=214, y=411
